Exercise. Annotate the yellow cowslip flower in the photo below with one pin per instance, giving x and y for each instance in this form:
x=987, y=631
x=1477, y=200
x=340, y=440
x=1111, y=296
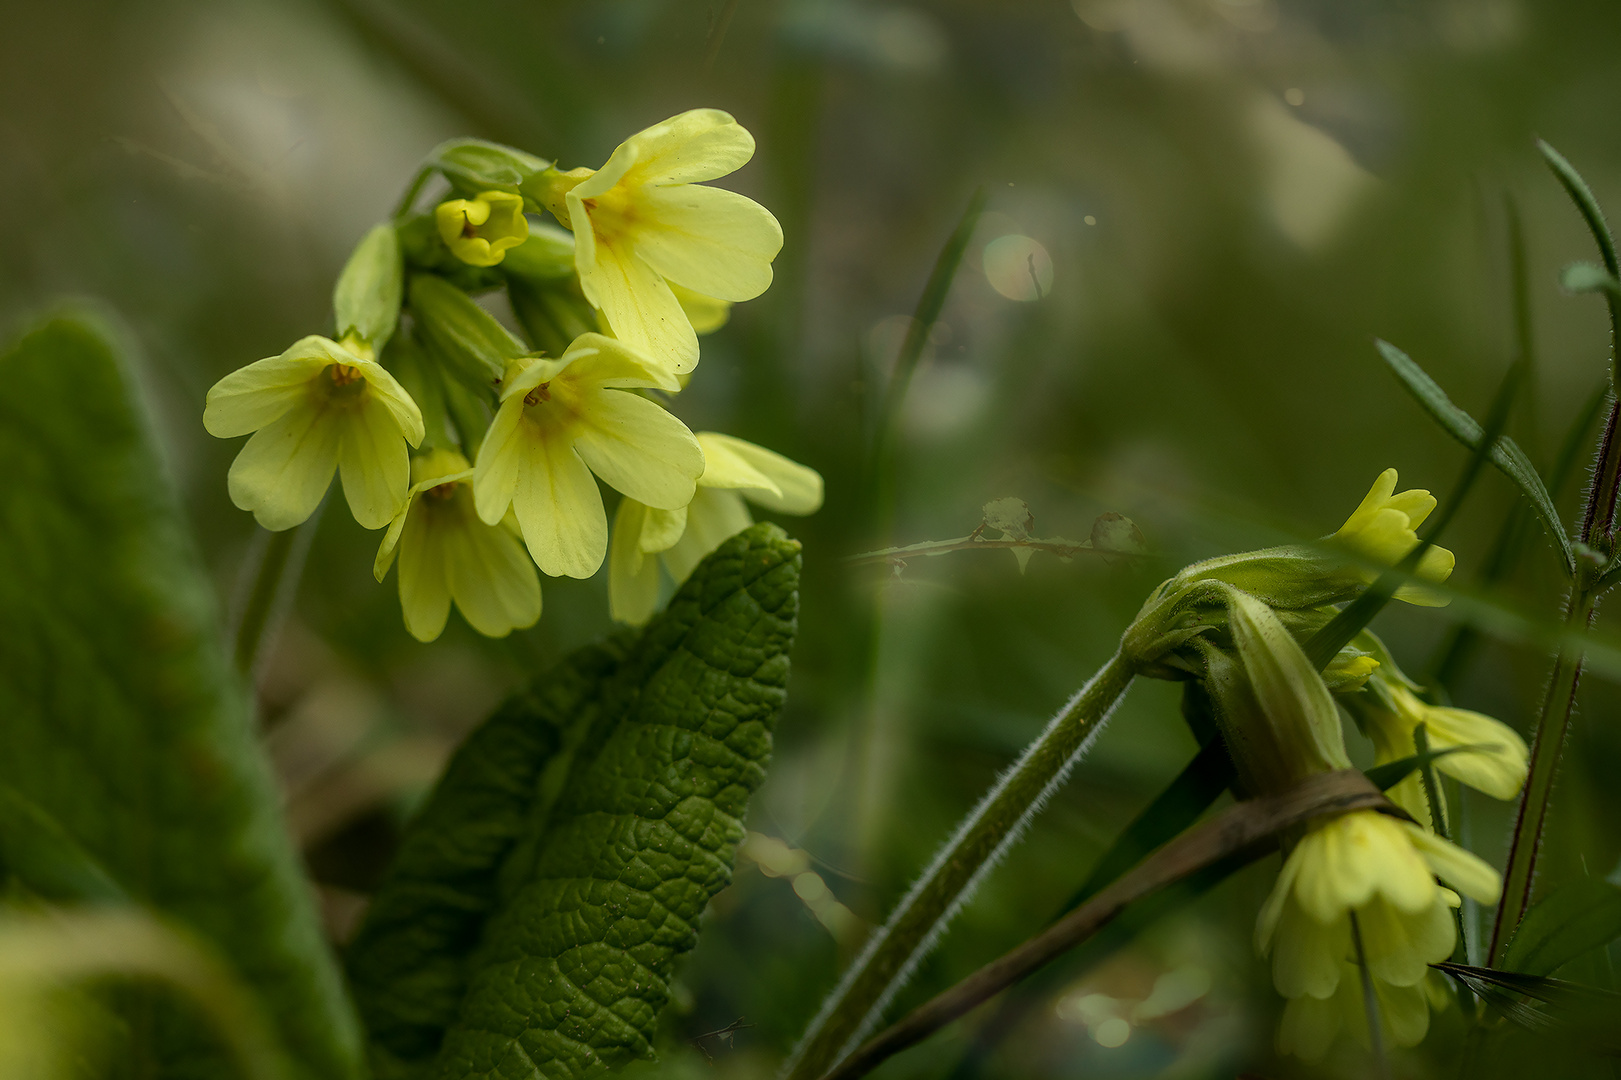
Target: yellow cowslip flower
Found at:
x=1310, y=1025
x=1382, y=870
x=1383, y=529
x=447, y=553
x=317, y=408
x=562, y=420
x=643, y=222
x=1495, y=764
x=734, y=471
x=479, y=230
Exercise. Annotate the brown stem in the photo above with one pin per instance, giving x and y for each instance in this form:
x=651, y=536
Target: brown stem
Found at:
x=1249, y=826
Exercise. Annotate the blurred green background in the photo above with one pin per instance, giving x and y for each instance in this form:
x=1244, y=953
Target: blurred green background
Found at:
x=1201, y=213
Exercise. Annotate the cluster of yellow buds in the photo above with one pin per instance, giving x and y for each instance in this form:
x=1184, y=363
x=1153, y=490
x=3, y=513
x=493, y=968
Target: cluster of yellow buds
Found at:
x=469, y=443
x=1364, y=887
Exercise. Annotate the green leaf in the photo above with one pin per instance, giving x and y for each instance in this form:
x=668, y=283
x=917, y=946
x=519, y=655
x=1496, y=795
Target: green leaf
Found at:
x=1574, y=919
x=366, y=299
x=408, y=962
x=1582, y=196
x=574, y=971
x=1505, y=453
x=46, y=859
x=473, y=165
x=123, y=720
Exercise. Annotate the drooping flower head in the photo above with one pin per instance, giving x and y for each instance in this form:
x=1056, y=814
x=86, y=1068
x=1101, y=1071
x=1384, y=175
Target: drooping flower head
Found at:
x=446, y=553
x=1486, y=754
x=1382, y=871
x=644, y=222
x=318, y=408
x=562, y=420
x=479, y=230
x=734, y=471
x=1384, y=528
x=1310, y=1025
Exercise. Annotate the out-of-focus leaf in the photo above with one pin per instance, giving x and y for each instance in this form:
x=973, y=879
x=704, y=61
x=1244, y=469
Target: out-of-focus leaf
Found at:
x=1572, y=920
x=122, y=718
x=575, y=968
x=1547, y=1006
x=408, y=963
x=1584, y=277
x=46, y=859
x=1505, y=452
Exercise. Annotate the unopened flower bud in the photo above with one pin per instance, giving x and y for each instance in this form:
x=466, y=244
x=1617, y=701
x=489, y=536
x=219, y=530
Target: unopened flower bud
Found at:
x=479, y=231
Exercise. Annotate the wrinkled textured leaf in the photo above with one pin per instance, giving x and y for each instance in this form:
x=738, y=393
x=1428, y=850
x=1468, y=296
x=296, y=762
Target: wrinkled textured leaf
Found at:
x=1573, y=919
x=408, y=963
x=1505, y=452
x=46, y=859
x=575, y=969
x=122, y=718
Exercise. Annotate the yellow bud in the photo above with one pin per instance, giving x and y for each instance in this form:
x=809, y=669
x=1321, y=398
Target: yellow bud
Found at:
x=479, y=231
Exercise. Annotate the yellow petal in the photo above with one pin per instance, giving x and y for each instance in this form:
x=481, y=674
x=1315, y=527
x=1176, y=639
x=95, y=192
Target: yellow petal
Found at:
x=1400, y=946
x=639, y=449
x=495, y=473
x=639, y=307
x=374, y=464
x=391, y=539
x=259, y=394
x=662, y=529
x=633, y=578
x=285, y=469
x=700, y=144
x=491, y=578
x=1307, y=955
x=424, y=588
x=1309, y=1027
x=705, y=313
x=600, y=361
x=557, y=505
x=1463, y=870
x=712, y=241
x=1497, y=769
x=714, y=516
x=385, y=390
x=788, y=488
x=1372, y=502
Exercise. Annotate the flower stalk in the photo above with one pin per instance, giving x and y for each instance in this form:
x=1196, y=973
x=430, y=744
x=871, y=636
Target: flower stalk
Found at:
x=893, y=951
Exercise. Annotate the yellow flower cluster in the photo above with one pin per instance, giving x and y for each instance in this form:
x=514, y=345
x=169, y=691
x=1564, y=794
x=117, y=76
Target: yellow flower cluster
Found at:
x=1363, y=887
x=471, y=444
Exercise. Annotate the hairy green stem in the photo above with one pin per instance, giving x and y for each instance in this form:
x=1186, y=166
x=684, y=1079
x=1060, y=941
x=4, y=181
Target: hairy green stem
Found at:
x=1548, y=740
x=893, y=951
x=280, y=563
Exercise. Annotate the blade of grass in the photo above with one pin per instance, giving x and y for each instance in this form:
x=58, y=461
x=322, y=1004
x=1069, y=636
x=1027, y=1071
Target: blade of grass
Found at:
x=1505, y=452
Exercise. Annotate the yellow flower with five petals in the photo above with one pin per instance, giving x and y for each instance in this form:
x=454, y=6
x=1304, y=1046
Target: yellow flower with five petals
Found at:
x=562, y=420
x=644, y=222
x=446, y=553
x=734, y=471
x=318, y=408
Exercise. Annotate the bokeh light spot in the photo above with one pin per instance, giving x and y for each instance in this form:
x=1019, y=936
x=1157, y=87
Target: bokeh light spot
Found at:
x=1018, y=267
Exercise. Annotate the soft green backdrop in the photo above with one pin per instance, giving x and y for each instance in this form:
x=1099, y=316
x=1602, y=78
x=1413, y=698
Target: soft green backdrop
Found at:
x=1231, y=199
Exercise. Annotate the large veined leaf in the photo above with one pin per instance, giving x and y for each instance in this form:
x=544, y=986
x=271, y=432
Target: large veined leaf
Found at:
x=596, y=907
x=120, y=718
x=408, y=963
x=1574, y=919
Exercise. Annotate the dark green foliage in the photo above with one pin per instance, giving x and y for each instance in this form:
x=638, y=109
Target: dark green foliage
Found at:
x=408, y=963
x=122, y=721
x=576, y=968
x=1569, y=922
x=541, y=902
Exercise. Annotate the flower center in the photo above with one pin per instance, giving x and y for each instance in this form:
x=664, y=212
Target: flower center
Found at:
x=468, y=228
x=538, y=394
x=344, y=380
x=442, y=492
